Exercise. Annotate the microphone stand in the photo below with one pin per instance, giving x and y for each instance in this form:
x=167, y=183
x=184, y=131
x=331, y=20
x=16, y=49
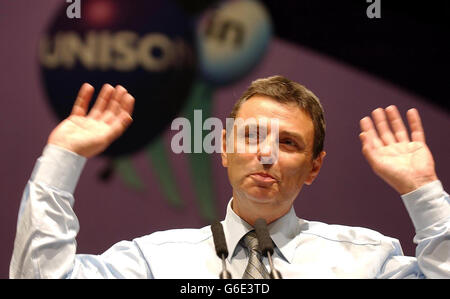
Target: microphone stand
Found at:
x=274, y=273
x=266, y=245
x=225, y=274
x=220, y=245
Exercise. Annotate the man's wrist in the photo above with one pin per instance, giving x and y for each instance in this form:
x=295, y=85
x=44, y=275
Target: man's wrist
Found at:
x=58, y=168
x=427, y=205
x=417, y=184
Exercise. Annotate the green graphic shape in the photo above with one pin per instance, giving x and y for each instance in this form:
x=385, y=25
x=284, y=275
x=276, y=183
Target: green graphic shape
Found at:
x=157, y=153
x=200, y=163
x=124, y=167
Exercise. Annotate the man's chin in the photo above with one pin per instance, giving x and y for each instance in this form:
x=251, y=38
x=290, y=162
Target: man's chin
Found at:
x=261, y=195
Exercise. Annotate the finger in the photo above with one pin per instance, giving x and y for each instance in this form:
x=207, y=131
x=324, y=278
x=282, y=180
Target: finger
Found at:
x=382, y=126
x=124, y=118
x=370, y=133
x=115, y=104
x=366, y=142
x=415, y=124
x=127, y=103
x=102, y=101
x=120, y=124
x=367, y=145
x=82, y=102
x=114, y=107
x=400, y=131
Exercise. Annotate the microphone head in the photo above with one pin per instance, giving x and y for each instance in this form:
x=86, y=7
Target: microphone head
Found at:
x=262, y=233
x=219, y=240
x=225, y=275
x=275, y=274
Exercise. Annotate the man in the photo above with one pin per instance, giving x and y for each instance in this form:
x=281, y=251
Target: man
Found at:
x=45, y=243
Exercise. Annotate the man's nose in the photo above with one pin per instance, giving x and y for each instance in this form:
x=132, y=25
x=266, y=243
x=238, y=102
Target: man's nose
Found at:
x=265, y=148
x=267, y=151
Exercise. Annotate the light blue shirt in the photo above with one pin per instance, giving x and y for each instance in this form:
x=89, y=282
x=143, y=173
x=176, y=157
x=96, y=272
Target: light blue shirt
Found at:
x=45, y=245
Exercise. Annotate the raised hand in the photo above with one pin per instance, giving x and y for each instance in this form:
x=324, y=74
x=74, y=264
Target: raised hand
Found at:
x=89, y=134
x=402, y=160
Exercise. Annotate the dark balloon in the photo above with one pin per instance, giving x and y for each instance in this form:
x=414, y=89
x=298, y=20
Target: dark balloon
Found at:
x=146, y=46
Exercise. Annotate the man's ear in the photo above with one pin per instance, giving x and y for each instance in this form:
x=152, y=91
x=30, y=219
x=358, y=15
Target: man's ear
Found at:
x=317, y=164
x=223, y=154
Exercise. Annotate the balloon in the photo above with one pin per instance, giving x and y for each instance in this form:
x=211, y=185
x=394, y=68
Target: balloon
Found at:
x=146, y=46
x=231, y=40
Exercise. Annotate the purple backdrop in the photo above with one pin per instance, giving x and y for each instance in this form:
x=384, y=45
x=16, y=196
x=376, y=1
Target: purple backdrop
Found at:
x=346, y=191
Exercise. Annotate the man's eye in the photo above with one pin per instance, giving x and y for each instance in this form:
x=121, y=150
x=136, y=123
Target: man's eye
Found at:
x=251, y=135
x=288, y=142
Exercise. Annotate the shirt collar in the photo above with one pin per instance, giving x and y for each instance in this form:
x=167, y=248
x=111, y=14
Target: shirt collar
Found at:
x=234, y=228
x=282, y=231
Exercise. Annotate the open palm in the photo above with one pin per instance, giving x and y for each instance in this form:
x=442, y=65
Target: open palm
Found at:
x=404, y=163
x=88, y=134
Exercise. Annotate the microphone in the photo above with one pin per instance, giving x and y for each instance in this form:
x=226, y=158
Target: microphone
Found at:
x=221, y=248
x=266, y=245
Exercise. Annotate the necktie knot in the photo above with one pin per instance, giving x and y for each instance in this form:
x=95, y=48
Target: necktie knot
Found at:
x=251, y=242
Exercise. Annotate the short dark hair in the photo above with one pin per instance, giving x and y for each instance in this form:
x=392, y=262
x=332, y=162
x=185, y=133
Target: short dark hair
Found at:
x=287, y=91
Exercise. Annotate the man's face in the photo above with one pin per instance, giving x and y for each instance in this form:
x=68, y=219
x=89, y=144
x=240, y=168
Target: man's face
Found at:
x=269, y=190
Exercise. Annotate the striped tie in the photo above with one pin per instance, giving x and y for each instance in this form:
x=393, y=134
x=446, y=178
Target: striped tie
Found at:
x=255, y=268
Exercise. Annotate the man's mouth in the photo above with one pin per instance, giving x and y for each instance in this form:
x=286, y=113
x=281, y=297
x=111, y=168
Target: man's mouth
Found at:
x=263, y=177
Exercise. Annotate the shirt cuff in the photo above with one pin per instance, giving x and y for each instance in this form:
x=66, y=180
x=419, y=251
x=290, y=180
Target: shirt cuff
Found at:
x=58, y=168
x=427, y=205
